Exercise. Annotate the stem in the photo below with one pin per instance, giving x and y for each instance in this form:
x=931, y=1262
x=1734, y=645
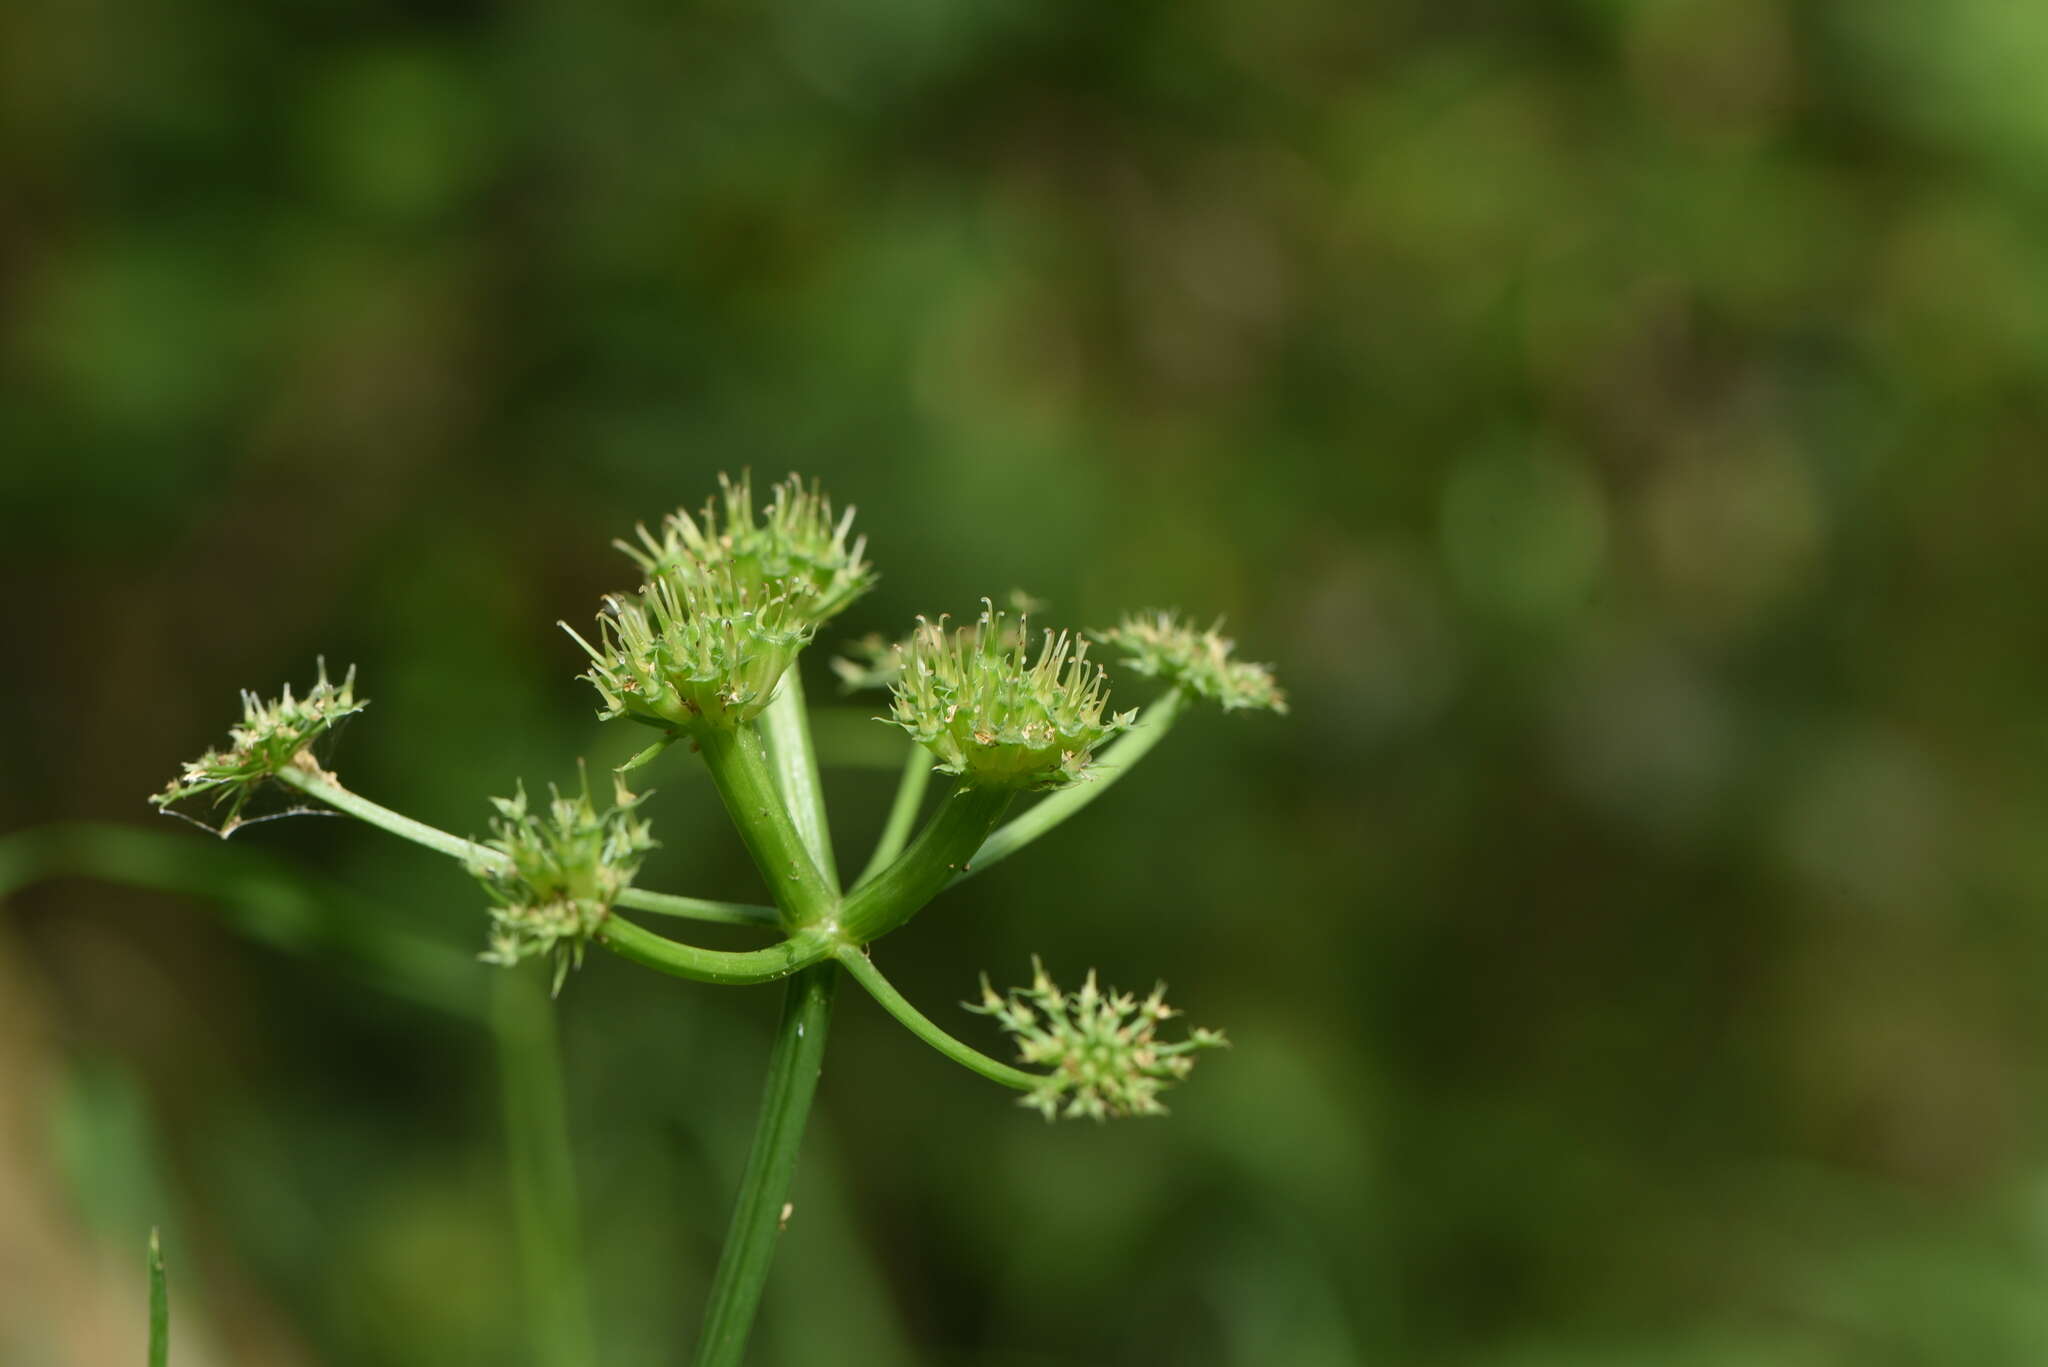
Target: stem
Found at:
x=697, y=908
x=325, y=787
x=917, y=775
x=319, y=783
x=1117, y=760
x=726, y=967
x=542, y=1170
x=761, y=1212
x=159, y=1306
x=786, y=732
x=896, y=1004
x=793, y=1066
x=940, y=852
x=740, y=771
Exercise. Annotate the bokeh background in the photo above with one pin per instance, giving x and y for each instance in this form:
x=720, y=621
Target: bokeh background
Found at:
x=1620, y=423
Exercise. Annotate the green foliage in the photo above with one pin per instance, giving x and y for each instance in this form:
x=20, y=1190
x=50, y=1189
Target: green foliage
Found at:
x=1621, y=421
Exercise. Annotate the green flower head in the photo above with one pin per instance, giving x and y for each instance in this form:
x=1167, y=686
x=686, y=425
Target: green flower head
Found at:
x=793, y=549
x=991, y=713
x=553, y=874
x=274, y=733
x=693, y=647
x=1102, y=1049
x=1160, y=645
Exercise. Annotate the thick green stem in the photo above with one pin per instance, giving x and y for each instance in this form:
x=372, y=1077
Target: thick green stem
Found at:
x=542, y=1169
x=941, y=851
x=798, y=1057
x=1116, y=761
x=740, y=770
x=917, y=776
x=857, y=963
x=322, y=785
x=726, y=967
x=786, y=732
x=763, y=1210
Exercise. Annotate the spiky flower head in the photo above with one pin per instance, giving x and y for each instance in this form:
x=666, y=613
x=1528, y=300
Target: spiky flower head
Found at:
x=875, y=661
x=794, y=549
x=1159, y=644
x=1101, y=1050
x=693, y=647
x=554, y=873
x=274, y=733
x=991, y=713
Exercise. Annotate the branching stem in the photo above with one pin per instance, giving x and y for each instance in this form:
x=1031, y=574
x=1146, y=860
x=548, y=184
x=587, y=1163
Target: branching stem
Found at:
x=857, y=963
x=322, y=785
x=1117, y=759
x=917, y=776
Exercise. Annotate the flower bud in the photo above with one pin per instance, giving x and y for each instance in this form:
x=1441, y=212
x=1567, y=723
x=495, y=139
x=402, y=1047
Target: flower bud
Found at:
x=977, y=700
x=1101, y=1050
x=1160, y=645
x=274, y=733
x=558, y=873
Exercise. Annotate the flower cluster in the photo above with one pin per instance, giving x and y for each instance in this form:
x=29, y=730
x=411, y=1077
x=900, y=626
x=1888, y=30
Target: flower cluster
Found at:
x=1160, y=645
x=693, y=647
x=729, y=601
x=274, y=732
x=795, y=549
x=1101, y=1048
x=993, y=715
x=875, y=661
x=553, y=874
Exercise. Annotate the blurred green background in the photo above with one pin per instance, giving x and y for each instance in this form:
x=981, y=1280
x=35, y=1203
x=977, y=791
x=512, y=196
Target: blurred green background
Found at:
x=1621, y=424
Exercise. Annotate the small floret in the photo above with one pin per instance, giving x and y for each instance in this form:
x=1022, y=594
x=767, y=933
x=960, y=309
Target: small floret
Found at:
x=1160, y=645
x=992, y=714
x=274, y=733
x=1101, y=1050
x=555, y=873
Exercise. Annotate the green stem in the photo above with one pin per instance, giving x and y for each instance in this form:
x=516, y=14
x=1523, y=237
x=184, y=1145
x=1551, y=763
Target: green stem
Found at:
x=940, y=853
x=798, y=1056
x=697, y=908
x=322, y=785
x=726, y=967
x=857, y=962
x=319, y=783
x=786, y=732
x=917, y=775
x=1116, y=761
x=739, y=769
x=542, y=1169
x=793, y=1066
x=159, y=1306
